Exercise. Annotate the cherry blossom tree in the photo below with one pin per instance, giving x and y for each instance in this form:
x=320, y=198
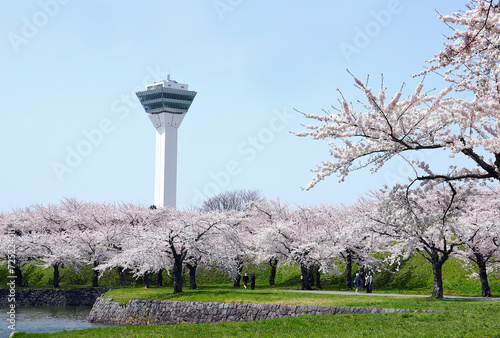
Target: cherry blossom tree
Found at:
x=317, y=242
x=51, y=239
x=380, y=128
x=422, y=219
x=166, y=238
x=470, y=62
x=462, y=119
x=98, y=231
x=15, y=250
x=298, y=235
x=379, y=131
x=224, y=240
x=236, y=242
x=235, y=200
x=134, y=218
x=150, y=244
x=262, y=215
x=480, y=234
x=45, y=239
x=356, y=242
x=470, y=59
x=139, y=254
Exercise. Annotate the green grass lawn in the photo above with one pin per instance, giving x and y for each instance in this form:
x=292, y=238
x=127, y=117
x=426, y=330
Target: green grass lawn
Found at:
x=469, y=318
x=227, y=294
x=481, y=324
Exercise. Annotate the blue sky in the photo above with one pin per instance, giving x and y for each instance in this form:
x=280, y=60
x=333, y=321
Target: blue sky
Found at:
x=72, y=126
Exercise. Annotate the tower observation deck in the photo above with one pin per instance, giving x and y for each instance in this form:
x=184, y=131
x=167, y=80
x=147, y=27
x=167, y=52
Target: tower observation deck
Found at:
x=166, y=97
x=166, y=103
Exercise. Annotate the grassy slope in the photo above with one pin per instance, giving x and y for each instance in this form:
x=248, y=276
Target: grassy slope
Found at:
x=414, y=276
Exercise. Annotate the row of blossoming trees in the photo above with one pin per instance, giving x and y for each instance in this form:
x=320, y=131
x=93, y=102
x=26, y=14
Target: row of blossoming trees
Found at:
x=437, y=223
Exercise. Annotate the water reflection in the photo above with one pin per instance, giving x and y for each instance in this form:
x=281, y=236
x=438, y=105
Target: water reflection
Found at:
x=47, y=319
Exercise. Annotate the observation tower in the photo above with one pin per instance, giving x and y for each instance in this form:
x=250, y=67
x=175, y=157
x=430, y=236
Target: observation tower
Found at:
x=166, y=103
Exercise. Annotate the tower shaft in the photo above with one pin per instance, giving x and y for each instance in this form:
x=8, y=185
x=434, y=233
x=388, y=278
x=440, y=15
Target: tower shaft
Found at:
x=166, y=125
x=166, y=167
x=166, y=104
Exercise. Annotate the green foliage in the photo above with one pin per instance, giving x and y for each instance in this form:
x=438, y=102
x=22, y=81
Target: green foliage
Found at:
x=110, y=278
x=414, y=273
x=34, y=274
x=286, y=275
x=4, y=272
x=338, y=281
x=82, y=276
x=207, y=275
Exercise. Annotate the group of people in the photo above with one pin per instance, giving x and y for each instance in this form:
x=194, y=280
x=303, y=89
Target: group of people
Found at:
x=252, y=281
x=368, y=282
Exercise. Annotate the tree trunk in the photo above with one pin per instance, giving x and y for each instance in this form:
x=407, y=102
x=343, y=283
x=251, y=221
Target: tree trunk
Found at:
x=348, y=268
x=159, y=278
x=145, y=280
x=362, y=277
x=121, y=275
x=177, y=273
x=273, y=262
x=19, y=275
x=311, y=274
x=192, y=276
x=237, y=280
x=318, y=277
x=483, y=276
x=95, y=276
x=55, y=282
x=306, y=284
x=437, y=271
x=437, y=290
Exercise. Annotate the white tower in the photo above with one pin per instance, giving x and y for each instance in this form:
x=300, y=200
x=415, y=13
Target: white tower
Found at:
x=166, y=103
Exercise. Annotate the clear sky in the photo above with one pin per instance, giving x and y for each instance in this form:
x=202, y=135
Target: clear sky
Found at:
x=72, y=126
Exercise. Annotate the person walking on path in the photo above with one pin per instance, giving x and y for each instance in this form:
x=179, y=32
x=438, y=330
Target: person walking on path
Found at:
x=368, y=282
x=371, y=281
x=357, y=282
x=252, y=282
x=245, y=281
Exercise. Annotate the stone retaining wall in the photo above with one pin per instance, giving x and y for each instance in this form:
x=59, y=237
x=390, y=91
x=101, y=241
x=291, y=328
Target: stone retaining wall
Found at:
x=147, y=312
x=52, y=297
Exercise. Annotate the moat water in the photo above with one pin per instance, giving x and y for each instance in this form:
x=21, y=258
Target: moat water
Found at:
x=45, y=319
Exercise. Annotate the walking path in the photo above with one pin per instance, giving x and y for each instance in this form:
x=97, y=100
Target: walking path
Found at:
x=388, y=294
